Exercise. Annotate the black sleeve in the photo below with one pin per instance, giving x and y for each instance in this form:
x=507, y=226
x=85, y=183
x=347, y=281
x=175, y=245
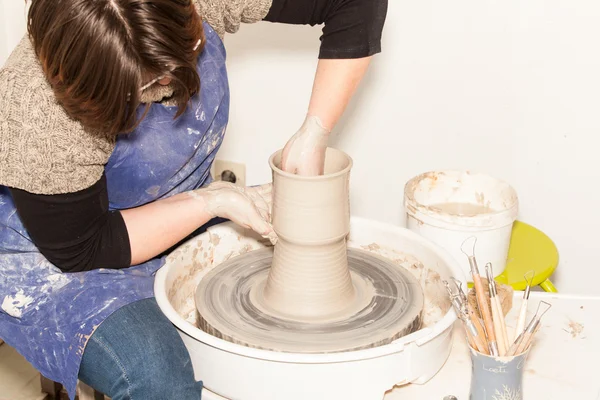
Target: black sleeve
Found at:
x=75, y=231
x=352, y=28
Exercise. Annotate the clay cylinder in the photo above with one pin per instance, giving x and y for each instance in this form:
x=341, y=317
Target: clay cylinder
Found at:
x=309, y=278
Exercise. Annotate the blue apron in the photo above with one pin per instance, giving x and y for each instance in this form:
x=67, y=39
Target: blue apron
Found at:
x=48, y=316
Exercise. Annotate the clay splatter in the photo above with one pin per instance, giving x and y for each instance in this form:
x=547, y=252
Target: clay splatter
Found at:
x=14, y=305
x=371, y=247
x=574, y=328
x=215, y=239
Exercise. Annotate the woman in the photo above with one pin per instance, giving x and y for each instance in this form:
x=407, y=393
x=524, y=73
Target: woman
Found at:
x=111, y=112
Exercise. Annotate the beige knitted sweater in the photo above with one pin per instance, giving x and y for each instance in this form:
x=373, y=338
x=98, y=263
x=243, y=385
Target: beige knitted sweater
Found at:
x=44, y=151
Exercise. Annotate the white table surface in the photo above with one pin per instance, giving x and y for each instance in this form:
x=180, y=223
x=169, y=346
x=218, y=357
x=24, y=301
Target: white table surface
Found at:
x=561, y=365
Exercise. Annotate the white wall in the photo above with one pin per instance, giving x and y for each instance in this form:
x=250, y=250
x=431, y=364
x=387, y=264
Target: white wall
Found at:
x=12, y=26
x=509, y=88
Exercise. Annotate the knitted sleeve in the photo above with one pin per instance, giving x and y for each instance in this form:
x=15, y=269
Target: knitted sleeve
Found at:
x=42, y=150
x=225, y=16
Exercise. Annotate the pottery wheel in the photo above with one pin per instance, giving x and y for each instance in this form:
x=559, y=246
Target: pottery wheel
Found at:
x=388, y=306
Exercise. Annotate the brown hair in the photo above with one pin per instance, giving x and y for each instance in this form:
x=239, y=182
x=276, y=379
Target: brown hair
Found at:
x=97, y=54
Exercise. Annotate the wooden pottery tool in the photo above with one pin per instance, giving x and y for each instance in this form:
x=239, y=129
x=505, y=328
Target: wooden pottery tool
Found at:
x=456, y=304
x=481, y=298
x=525, y=338
x=497, y=314
x=474, y=337
x=530, y=341
x=471, y=314
x=523, y=313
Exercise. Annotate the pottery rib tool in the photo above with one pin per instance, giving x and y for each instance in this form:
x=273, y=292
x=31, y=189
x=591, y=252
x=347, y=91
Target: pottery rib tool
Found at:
x=497, y=314
x=481, y=298
x=526, y=336
x=474, y=337
x=523, y=313
x=477, y=339
x=478, y=326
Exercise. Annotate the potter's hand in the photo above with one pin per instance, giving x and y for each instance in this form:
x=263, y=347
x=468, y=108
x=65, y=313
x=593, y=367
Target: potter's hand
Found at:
x=304, y=153
x=249, y=207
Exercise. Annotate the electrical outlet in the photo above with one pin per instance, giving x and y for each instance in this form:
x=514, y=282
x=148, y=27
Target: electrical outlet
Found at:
x=229, y=171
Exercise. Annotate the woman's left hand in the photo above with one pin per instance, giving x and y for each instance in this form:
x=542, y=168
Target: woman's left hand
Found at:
x=304, y=153
x=249, y=207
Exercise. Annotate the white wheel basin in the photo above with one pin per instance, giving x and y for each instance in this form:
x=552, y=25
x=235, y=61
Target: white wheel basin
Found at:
x=238, y=372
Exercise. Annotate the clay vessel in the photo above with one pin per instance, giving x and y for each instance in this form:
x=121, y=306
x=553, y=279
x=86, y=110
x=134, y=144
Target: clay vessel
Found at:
x=309, y=277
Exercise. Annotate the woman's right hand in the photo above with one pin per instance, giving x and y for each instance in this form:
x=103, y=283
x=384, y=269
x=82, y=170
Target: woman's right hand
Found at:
x=249, y=207
x=304, y=153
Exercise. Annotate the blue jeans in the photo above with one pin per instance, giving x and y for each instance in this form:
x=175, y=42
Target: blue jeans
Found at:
x=137, y=354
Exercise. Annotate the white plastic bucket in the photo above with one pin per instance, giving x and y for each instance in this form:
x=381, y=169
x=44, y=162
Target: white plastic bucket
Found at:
x=448, y=207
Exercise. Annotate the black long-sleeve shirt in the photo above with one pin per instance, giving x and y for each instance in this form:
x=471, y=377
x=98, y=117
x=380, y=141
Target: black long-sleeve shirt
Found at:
x=77, y=232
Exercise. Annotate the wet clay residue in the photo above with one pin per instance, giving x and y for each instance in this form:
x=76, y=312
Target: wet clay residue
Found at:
x=446, y=196
x=413, y=185
x=460, y=209
x=436, y=299
x=194, y=259
x=200, y=256
x=480, y=197
x=574, y=328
